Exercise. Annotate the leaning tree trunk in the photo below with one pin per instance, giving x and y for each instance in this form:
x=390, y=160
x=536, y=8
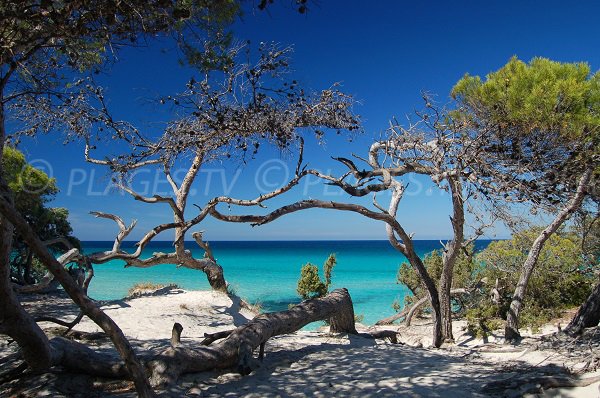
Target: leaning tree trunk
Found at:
x=74, y=291
x=237, y=348
x=14, y=321
x=451, y=253
x=511, y=330
x=49, y=283
x=588, y=314
x=432, y=294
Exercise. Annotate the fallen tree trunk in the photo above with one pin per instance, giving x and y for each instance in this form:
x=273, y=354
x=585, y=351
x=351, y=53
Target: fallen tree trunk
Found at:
x=87, y=305
x=79, y=358
x=237, y=348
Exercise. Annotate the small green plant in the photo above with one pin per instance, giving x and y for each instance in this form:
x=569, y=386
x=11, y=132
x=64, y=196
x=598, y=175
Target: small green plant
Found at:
x=358, y=318
x=310, y=284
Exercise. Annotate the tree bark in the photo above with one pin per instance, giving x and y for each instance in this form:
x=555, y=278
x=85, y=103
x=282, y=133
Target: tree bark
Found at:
x=588, y=314
x=413, y=310
x=237, y=348
x=432, y=294
x=421, y=302
x=511, y=330
x=78, y=296
x=451, y=253
x=14, y=321
x=49, y=282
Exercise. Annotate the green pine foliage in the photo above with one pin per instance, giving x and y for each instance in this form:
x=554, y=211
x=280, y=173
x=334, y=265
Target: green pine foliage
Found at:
x=541, y=95
x=310, y=284
x=32, y=190
x=544, y=113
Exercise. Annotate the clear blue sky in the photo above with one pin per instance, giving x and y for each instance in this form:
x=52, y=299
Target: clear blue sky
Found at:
x=383, y=52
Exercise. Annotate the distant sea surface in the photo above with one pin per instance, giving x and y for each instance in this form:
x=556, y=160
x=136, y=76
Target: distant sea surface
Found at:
x=266, y=272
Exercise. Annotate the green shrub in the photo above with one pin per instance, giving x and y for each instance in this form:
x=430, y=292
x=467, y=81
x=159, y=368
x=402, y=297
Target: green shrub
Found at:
x=433, y=262
x=559, y=281
x=562, y=279
x=310, y=284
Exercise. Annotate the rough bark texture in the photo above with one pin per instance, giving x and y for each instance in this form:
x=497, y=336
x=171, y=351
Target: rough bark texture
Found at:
x=432, y=295
x=78, y=358
x=237, y=348
x=511, y=330
x=588, y=314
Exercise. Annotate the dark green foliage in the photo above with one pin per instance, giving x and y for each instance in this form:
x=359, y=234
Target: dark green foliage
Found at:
x=561, y=280
x=32, y=190
x=310, y=284
x=462, y=277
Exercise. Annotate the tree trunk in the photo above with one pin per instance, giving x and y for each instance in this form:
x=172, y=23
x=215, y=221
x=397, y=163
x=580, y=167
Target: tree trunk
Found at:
x=237, y=348
x=451, y=253
x=446, y=303
x=391, y=319
x=432, y=294
x=213, y=271
x=421, y=302
x=588, y=314
x=14, y=321
x=132, y=364
x=413, y=310
x=511, y=330
x=27, y=270
x=49, y=282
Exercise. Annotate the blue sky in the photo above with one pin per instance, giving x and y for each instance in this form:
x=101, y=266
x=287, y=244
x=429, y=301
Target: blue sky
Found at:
x=385, y=53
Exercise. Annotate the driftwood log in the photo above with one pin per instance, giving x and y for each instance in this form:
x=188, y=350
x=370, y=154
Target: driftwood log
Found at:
x=235, y=349
x=227, y=349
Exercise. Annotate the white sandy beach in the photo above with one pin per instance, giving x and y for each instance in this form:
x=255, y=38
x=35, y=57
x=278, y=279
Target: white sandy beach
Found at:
x=320, y=365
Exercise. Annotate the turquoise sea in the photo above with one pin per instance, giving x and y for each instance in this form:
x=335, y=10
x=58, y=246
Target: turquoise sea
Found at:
x=266, y=272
